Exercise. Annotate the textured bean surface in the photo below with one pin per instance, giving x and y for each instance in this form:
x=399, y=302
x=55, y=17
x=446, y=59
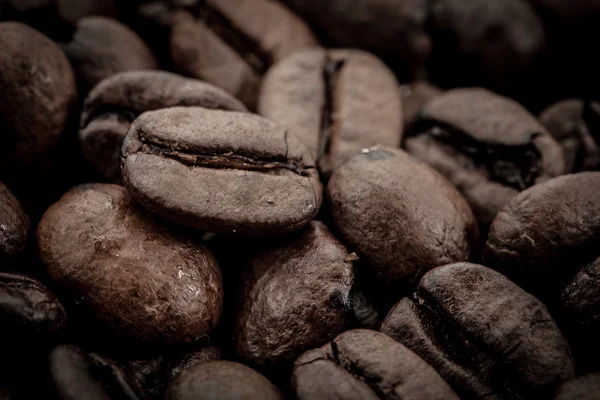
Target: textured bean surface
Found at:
x=222, y=380
x=486, y=336
x=365, y=364
x=295, y=296
x=537, y=234
x=115, y=102
x=220, y=171
x=400, y=216
x=37, y=90
x=139, y=278
x=337, y=102
x=488, y=146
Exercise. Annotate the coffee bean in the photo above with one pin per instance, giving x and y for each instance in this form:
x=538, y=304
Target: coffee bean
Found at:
x=313, y=272
x=483, y=334
x=364, y=364
x=395, y=31
x=222, y=380
x=137, y=277
x=547, y=233
x=28, y=313
x=240, y=173
x=400, y=216
x=489, y=43
x=576, y=126
x=337, y=102
x=414, y=97
x=190, y=360
x=38, y=90
x=231, y=43
x=113, y=104
x=586, y=387
x=487, y=145
x=102, y=47
x=14, y=226
x=76, y=375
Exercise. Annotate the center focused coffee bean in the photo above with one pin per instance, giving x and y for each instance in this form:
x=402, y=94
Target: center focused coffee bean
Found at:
x=220, y=171
x=486, y=336
x=314, y=273
x=400, y=216
x=114, y=103
x=221, y=380
x=231, y=43
x=363, y=364
x=135, y=276
x=488, y=146
x=336, y=101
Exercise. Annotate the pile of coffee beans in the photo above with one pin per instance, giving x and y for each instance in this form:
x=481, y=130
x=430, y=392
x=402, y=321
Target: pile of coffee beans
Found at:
x=299, y=199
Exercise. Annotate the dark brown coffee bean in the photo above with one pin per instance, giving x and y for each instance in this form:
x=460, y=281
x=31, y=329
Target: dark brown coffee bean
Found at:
x=483, y=334
x=102, y=47
x=336, y=101
x=76, y=375
x=14, y=226
x=137, y=277
x=221, y=380
x=190, y=360
x=37, y=90
x=220, y=171
x=400, y=216
x=414, y=97
x=28, y=312
x=295, y=296
x=393, y=30
x=547, y=233
x=232, y=43
x=586, y=387
x=576, y=126
x=115, y=102
x=364, y=364
x=487, y=145
x=488, y=43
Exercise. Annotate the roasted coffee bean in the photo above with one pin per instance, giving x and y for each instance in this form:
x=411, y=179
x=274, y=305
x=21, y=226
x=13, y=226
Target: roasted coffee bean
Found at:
x=37, y=90
x=137, y=277
x=547, y=233
x=487, y=145
x=481, y=42
x=231, y=43
x=578, y=309
x=395, y=31
x=76, y=375
x=576, y=126
x=221, y=380
x=313, y=272
x=113, y=104
x=14, y=227
x=586, y=387
x=102, y=47
x=365, y=364
x=414, y=97
x=190, y=360
x=220, y=171
x=400, y=216
x=337, y=102
x=482, y=333
x=28, y=312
